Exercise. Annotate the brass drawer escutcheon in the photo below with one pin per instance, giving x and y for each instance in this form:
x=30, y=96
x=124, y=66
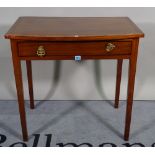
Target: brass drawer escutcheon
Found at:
x=110, y=47
x=41, y=51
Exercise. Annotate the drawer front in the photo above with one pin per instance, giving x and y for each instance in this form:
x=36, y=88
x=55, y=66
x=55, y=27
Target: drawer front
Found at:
x=34, y=49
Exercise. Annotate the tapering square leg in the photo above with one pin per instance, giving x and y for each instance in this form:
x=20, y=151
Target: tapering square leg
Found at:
x=118, y=81
x=30, y=82
x=130, y=93
x=19, y=87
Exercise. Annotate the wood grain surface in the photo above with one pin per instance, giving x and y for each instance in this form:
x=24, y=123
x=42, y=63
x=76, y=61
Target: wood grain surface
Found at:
x=73, y=28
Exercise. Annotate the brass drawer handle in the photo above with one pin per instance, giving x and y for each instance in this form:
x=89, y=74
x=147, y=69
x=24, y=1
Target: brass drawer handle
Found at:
x=110, y=47
x=41, y=51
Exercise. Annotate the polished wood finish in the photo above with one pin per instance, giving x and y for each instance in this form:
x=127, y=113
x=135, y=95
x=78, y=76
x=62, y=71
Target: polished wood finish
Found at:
x=27, y=49
x=63, y=38
x=71, y=57
x=118, y=81
x=19, y=87
x=73, y=28
x=131, y=81
x=30, y=83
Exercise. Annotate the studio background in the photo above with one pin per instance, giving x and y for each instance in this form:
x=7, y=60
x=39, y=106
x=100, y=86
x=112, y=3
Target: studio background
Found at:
x=87, y=80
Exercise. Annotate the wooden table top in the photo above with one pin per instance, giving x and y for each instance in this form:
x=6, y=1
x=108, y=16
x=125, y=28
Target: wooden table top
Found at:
x=73, y=28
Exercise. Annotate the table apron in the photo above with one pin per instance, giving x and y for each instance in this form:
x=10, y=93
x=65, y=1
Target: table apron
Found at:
x=64, y=57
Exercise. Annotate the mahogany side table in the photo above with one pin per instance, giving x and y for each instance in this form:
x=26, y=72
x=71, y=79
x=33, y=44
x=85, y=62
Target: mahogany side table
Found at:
x=74, y=38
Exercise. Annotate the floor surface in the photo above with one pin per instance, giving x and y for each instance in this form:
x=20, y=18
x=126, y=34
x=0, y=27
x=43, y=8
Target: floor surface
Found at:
x=77, y=123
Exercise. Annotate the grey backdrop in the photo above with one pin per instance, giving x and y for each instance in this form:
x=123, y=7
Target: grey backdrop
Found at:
x=69, y=80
